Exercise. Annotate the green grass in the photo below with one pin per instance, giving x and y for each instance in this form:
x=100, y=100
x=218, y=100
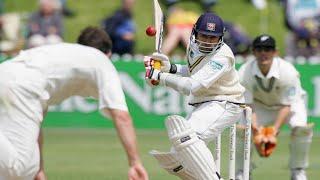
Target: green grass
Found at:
x=94, y=154
x=90, y=12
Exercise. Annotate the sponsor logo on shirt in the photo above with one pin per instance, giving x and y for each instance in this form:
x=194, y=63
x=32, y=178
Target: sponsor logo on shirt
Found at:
x=292, y=91
x=215, y=65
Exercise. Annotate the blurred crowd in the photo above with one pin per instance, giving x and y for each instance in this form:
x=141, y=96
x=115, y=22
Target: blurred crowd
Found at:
x=121, y=28
x=45, y=26
x=302, y=18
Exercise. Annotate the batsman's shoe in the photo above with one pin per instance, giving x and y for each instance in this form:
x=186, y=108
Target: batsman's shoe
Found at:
x=239, y=175
x=298, y=174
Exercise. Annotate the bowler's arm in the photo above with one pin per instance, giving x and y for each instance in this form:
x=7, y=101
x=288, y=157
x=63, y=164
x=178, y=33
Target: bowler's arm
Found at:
x=123, y=124
x=41, y=174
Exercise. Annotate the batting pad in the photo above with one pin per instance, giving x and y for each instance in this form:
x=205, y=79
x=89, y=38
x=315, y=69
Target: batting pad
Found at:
x=170, y=163
x=301, y=138
x=193, y=152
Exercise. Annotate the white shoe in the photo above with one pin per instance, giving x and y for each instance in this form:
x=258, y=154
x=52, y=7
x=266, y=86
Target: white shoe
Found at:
x=239, y=175
x=298, y=174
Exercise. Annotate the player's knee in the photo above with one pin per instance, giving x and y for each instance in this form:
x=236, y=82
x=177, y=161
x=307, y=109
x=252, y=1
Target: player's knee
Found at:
x=179, y=131
x=301, y=138
x=302, y=131
x=191, y=150
x=19, y=169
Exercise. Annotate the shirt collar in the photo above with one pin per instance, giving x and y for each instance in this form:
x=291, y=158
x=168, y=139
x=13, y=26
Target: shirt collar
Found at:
x=273, y=72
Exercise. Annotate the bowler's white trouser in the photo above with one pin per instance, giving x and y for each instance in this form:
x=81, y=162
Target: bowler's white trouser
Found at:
x=20, y=118
x=19, y=154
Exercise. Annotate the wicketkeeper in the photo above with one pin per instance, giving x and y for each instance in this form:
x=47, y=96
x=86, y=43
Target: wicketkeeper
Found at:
x=274, y=91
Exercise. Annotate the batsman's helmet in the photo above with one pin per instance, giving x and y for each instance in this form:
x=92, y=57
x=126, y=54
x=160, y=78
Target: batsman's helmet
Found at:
x=208, y=24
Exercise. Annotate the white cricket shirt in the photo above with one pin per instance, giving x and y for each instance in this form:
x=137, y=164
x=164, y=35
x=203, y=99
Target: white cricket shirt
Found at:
x=219, y=78
x=64, y=70
x=281, y=86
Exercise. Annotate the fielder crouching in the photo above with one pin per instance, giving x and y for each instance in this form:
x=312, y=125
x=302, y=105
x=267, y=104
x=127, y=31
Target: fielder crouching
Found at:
x=274, y=91
x=210, y=78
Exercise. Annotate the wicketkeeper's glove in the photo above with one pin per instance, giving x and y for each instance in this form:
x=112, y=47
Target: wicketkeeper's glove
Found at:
x=265, y=141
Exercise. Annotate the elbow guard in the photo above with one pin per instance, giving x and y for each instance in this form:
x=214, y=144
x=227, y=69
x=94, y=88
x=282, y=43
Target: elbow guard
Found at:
x=183, y=85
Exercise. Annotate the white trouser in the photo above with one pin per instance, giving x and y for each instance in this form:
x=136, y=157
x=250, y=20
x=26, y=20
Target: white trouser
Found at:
x=20, y=117
x=19, y=155
x=297, y=117
x=211, y=118
x=192, y=158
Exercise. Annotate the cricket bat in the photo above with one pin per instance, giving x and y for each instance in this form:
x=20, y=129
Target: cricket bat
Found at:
x=158, y=20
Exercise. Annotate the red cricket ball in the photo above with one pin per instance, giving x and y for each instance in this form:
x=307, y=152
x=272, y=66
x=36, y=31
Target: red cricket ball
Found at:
x=151, y=31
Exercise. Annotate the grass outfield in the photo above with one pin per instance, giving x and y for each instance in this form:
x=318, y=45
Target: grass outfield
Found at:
x=96, y=154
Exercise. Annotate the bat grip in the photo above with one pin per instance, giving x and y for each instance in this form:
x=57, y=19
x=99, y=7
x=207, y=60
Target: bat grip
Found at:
x=157, y=64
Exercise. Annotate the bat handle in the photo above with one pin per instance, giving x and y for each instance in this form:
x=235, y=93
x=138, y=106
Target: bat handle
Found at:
x=157, y=64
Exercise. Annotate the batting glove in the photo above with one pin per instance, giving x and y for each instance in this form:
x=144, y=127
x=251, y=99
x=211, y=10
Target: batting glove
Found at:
x=152, y=75
x=165, y=63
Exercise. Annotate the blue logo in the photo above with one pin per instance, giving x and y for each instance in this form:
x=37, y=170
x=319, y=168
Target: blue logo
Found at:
x=292, y=91
x=215, y=65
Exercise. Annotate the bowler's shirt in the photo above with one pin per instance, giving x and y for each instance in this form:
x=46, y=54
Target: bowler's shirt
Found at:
x=73, y=70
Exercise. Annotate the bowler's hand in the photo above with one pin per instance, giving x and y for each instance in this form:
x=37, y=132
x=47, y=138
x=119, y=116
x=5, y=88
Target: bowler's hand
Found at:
x=137, y=172
x=40, y=175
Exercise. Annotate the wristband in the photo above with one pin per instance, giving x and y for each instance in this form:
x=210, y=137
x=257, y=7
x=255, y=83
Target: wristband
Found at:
x=159, y=75
x=173, y=69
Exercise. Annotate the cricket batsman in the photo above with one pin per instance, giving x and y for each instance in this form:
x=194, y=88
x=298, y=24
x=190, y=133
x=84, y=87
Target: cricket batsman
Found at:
x=210, y=78
x=274, y=91
x=47, y=75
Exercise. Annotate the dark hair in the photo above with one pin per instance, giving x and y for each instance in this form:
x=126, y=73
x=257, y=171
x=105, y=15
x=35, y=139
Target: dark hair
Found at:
x=264, y=40
x=95, y=37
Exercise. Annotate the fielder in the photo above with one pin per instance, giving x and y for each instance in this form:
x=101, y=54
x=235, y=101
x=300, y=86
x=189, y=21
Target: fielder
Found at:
x=273, y=89
x=210, y=78
x=47, y=75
